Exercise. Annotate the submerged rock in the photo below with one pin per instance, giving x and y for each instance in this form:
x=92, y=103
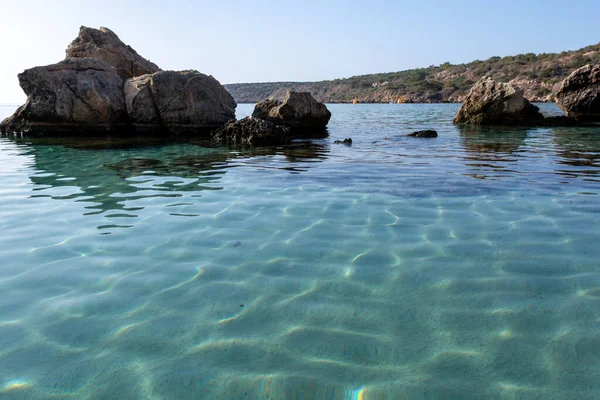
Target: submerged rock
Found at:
x=563, y=120
x=252, y=131
x=298, y=110
x=579, y=94
x=103, y=44
x=428, y=133
x=177, y=102
x=347, y=141
x=493, y=103
x=76, y=95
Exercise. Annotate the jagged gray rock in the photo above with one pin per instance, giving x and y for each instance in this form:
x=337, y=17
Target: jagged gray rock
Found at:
x=579, y=94
x=177, y=102
x=298, y=110
x=75, y=95
x=105, y=45
x=252, y=131
x=493, y=103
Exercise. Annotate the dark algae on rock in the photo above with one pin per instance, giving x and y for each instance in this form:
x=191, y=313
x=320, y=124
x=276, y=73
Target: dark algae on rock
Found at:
x=252, y=131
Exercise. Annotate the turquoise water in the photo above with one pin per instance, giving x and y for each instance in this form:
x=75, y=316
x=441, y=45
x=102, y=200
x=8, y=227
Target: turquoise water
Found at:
x=465, y=266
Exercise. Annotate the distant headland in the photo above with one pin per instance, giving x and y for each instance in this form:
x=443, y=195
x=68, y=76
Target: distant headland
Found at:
x=539, y=76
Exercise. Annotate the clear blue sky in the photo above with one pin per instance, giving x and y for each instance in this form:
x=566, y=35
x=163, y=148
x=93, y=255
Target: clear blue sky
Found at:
x=255, y=41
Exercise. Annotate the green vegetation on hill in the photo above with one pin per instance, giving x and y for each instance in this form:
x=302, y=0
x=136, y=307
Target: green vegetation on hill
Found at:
x=538, y=75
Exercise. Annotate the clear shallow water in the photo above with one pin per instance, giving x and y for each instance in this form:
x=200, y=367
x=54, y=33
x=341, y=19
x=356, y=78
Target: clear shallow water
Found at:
x=459, y=267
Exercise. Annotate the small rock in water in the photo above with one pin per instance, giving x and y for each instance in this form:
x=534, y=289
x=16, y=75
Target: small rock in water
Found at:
x=347, y=141
x=425, y=134
x=496, y=103
x=252, y=131
x=297, y=110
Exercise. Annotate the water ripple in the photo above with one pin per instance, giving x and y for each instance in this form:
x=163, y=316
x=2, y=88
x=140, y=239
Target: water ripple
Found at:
x=460, y=267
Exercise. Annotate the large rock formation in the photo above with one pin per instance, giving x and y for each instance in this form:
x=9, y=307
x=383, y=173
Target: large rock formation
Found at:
x=579, y=94
x=252, y=131
x=299, y=110
x=103, y=44
x=87, y=92
x=493, y=103
x=76, y=95
x=177, y=102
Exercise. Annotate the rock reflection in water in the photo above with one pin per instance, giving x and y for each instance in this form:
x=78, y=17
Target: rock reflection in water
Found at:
x=577, y=148
x=491, y=151
x=295, y=157
x=110, y=175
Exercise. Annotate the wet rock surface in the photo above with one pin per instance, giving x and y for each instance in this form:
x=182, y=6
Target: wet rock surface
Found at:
x=428, y=133
x=252, y=131
x=347, y=141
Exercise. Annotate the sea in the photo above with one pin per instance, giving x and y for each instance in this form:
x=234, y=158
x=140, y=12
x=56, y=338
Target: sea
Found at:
x=465, y=266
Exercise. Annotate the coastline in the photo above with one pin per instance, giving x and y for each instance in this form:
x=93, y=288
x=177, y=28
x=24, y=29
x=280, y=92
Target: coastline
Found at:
x=387, y=102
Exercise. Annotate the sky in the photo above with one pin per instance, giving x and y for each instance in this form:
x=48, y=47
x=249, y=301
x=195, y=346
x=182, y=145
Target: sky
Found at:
x=262, y=41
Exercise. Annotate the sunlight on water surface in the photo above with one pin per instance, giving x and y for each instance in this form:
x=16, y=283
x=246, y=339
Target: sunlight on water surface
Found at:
x=464, y=266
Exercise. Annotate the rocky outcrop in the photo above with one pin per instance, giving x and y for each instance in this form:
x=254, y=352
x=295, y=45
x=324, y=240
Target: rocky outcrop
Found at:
x=252, y=131
x=88, y=92
x=298, y=110
x=428, y=133
x=579, y=94
x=177, y=102
x=76, y=95
x=103, y=44
x=493, y=103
